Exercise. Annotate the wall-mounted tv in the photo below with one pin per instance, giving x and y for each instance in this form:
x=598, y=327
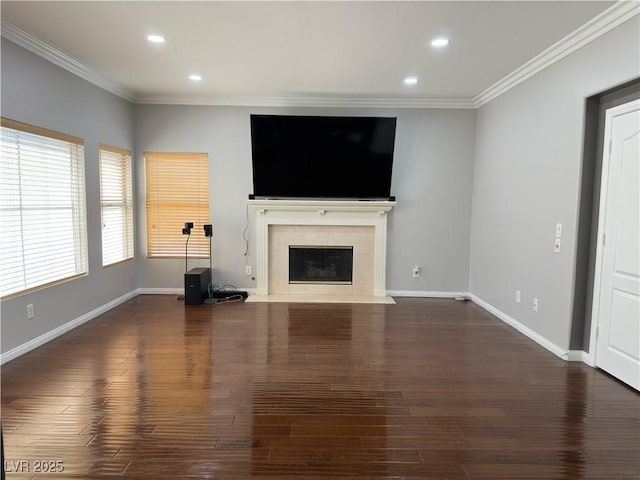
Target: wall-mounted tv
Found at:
x=322, y=157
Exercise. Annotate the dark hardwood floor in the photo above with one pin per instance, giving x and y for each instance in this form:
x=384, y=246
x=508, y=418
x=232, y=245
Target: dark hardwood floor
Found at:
x=425, y=389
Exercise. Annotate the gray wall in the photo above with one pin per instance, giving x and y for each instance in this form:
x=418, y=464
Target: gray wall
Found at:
x=528, y=163
x=432, y=178
x=485, y=225
x=37, y=92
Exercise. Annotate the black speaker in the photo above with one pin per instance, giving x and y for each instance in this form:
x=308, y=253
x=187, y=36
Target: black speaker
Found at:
x=187, y=228
x=208, y=230
x=196, y=285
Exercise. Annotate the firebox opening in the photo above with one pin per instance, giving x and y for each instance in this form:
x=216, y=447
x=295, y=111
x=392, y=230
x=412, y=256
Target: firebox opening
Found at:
x=327, y=265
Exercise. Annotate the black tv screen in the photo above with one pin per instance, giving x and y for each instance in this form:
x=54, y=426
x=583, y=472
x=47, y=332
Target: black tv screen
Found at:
x=322, y=157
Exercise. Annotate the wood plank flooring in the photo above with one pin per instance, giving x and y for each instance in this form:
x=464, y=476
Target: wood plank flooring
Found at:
x=424, y=389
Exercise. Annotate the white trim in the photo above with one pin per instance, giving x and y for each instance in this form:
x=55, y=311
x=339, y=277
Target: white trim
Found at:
x=539, y=339
x=572, y=355
x=604, y=187
x=161, y=291
x=75, y=66
x=64, y=60
x=427, y=294
x=598, y=26
x=310, y=101
x=579, y=356
x=62, y=329
x=595, y=28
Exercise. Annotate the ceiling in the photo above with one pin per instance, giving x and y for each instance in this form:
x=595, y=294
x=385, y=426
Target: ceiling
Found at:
x=255, y=51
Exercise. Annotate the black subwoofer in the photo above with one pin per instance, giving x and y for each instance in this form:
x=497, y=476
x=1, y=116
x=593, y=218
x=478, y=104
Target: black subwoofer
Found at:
x=196, y=284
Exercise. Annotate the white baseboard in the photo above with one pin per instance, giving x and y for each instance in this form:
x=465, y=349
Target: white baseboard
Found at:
x=426, y=294
x=178, y=291
x=539, y=339
x=579, y=356
x=571, y=355
x=160, y=291
x=56, y=332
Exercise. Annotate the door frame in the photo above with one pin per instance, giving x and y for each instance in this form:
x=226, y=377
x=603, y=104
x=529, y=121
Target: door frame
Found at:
x=604, y=191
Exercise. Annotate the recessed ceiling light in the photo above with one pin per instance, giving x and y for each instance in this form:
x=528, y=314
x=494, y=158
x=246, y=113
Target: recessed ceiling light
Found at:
x=440, y=42
x=195, y=77
x=411, y=80
x=156, y=38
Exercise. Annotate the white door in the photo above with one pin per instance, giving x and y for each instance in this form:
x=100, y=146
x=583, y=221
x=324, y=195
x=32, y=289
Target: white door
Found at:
x=616, y=309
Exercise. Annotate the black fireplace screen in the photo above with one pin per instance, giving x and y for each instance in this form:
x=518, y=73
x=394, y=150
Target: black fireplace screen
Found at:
x=321, y=264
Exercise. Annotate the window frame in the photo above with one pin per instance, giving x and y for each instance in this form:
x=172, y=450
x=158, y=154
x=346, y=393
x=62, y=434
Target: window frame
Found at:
x=192, y=176
x=124, y=203
x=76, y=198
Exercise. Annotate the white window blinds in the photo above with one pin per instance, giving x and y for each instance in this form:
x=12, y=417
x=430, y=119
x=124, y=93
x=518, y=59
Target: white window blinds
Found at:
x=116, y=202
x=177, y=192
x=42, y=207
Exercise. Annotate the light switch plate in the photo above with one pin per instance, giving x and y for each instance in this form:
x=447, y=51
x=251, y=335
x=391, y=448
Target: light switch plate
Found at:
x=558, y=230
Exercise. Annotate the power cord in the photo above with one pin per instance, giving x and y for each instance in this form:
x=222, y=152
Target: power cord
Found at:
x=245, y=234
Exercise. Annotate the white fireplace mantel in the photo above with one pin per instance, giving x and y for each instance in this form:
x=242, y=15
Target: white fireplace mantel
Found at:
x=320, y=212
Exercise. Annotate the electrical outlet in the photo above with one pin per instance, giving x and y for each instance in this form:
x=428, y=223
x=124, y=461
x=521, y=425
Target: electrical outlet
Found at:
x=247, y=270
x=30, y=312
x=556, y=247
x=517, y=296
x=416, y=271
x=535, y=304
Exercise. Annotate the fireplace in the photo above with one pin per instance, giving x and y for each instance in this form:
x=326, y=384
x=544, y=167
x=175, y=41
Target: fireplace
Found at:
x=282, y=226
x=324, y=265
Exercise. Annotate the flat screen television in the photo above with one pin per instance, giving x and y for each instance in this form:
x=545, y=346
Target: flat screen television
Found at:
x=322, y=157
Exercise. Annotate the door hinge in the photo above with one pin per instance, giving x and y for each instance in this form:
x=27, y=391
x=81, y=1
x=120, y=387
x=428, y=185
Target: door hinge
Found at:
x=597, y=331
x=604, y=239
x=610, y=146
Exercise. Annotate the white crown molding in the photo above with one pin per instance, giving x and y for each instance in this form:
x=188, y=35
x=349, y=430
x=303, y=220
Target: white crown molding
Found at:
x=71, y=64
x=598, y=26
x=62, y=59
x=308, y=101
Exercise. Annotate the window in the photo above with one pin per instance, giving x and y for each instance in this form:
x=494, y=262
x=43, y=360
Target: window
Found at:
x=177, y=192
x=116, y=202
x=42, y=207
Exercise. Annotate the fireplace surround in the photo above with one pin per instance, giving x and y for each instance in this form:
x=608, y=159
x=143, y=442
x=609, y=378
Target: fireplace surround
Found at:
x=279, y=224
